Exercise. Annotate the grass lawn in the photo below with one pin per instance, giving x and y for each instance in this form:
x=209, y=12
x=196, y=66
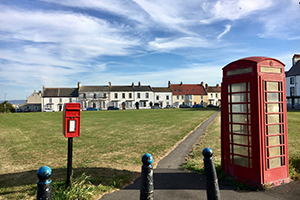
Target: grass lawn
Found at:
x=212, y=140
x=109, y=148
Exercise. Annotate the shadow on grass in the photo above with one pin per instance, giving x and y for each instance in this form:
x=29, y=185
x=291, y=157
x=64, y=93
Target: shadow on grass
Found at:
x=105, y=176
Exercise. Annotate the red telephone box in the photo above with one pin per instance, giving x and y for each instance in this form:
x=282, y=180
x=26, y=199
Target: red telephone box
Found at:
x=71, y=120
x=254, y=140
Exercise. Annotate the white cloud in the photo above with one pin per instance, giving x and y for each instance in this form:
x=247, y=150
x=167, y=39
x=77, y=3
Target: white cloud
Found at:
x=166, y=44
x=232, y=9
x=67, y=34
x=224, y=32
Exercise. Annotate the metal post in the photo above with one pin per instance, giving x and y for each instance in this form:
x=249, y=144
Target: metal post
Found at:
x=212, y=186
x=146, y=190
x=44, y=190
x=70, y=152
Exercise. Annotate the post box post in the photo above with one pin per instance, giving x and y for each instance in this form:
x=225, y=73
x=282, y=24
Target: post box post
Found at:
x=71, y=128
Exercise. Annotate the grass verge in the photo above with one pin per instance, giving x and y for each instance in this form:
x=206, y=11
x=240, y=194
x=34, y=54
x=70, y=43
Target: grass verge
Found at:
x=109, y=149
x=211, y=139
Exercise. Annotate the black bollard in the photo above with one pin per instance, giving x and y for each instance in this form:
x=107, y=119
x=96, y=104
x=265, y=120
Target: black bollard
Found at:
x=146, y=191
x=212, y=186
x=44, y=191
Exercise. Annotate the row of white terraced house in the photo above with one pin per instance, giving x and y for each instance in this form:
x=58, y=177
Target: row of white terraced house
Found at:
x=123, y=97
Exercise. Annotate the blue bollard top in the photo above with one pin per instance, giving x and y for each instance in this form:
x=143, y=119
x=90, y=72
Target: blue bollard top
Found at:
x=147, y=159
x=44, y=172
x=207, y=152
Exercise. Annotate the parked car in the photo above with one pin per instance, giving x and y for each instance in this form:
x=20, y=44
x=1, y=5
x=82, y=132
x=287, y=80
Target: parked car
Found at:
x=184, y=106
x=212, y=106
x=47, y=110
x=197, y=106
x=169, y=106
x=112, y=108
x=92, y=109
x=156, y=107
x=19, y=110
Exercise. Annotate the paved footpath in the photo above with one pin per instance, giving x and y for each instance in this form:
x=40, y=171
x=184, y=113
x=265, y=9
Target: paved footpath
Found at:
x=170, y=182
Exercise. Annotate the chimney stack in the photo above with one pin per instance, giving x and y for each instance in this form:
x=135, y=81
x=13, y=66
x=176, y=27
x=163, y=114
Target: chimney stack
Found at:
x=181, y=83
x=109, y=84
x=202, y=83
x=217, y=85
x=79, y=85
x=206, y=86
x=296, y=58
x=139, y=84
x=44, y=87
x=169, y=84
x=132, y=84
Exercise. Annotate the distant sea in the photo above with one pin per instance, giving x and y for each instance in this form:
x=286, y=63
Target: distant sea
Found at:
x=16, y=102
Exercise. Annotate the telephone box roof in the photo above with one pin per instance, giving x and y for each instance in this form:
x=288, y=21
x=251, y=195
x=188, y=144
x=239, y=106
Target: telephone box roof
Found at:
x=255, y=59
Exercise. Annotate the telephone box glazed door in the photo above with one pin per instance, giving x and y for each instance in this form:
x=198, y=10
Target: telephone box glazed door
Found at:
x=274, y=129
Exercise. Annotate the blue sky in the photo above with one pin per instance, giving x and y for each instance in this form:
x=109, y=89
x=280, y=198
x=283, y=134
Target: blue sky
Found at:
x=59, y=43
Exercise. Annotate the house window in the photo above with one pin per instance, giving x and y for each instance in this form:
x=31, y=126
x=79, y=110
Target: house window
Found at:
x=147, y=95
x=60, y=100
x=104, y=95
x=179, y=90
x=177, y=97
x=123, y=95
x=201, y=96
x=216, y=95
x=116, y=95
x=175, y=90
x=50, y=100
x=292, y=90
x=130, y=95
x=211, y=95
x=84, y=95
x=157, y=97
x=187, y=90
x=70, y=100
x=95, y=95
x=167, y=97
x=189, y=97
x=182, y=97
x=138, y=95
x=292, y=80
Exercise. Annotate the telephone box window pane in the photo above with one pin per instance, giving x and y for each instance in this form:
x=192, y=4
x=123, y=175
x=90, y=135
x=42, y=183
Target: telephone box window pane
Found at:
x=240, y=150
x=273, y=119
x=239, y=108
x=237, y=118
x=275, y=162
x=236, y=98
x=275, y=140
x=272, y=86
x=241, y=129
x=238, y=160
x=273, y=129
x=238, y=87
x=270, y=70
x=274, y=151
x=273, y=97
x=240, y=139
x=273, y=108
x=228, y=88
x=229, y=98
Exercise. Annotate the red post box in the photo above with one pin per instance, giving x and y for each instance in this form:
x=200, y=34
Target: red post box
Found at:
x=254, y=142
x=71, y=120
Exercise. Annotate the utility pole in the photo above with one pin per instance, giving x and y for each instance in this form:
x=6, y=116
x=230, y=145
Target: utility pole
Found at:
x=4, y=102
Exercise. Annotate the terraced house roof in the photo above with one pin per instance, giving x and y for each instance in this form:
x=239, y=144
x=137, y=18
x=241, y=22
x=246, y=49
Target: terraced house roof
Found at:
x=188, y=89
x=60, y=92
x=161, y=89
x=93, y=88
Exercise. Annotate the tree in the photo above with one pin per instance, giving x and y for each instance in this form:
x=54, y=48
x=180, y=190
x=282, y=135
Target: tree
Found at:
x=8, y=107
